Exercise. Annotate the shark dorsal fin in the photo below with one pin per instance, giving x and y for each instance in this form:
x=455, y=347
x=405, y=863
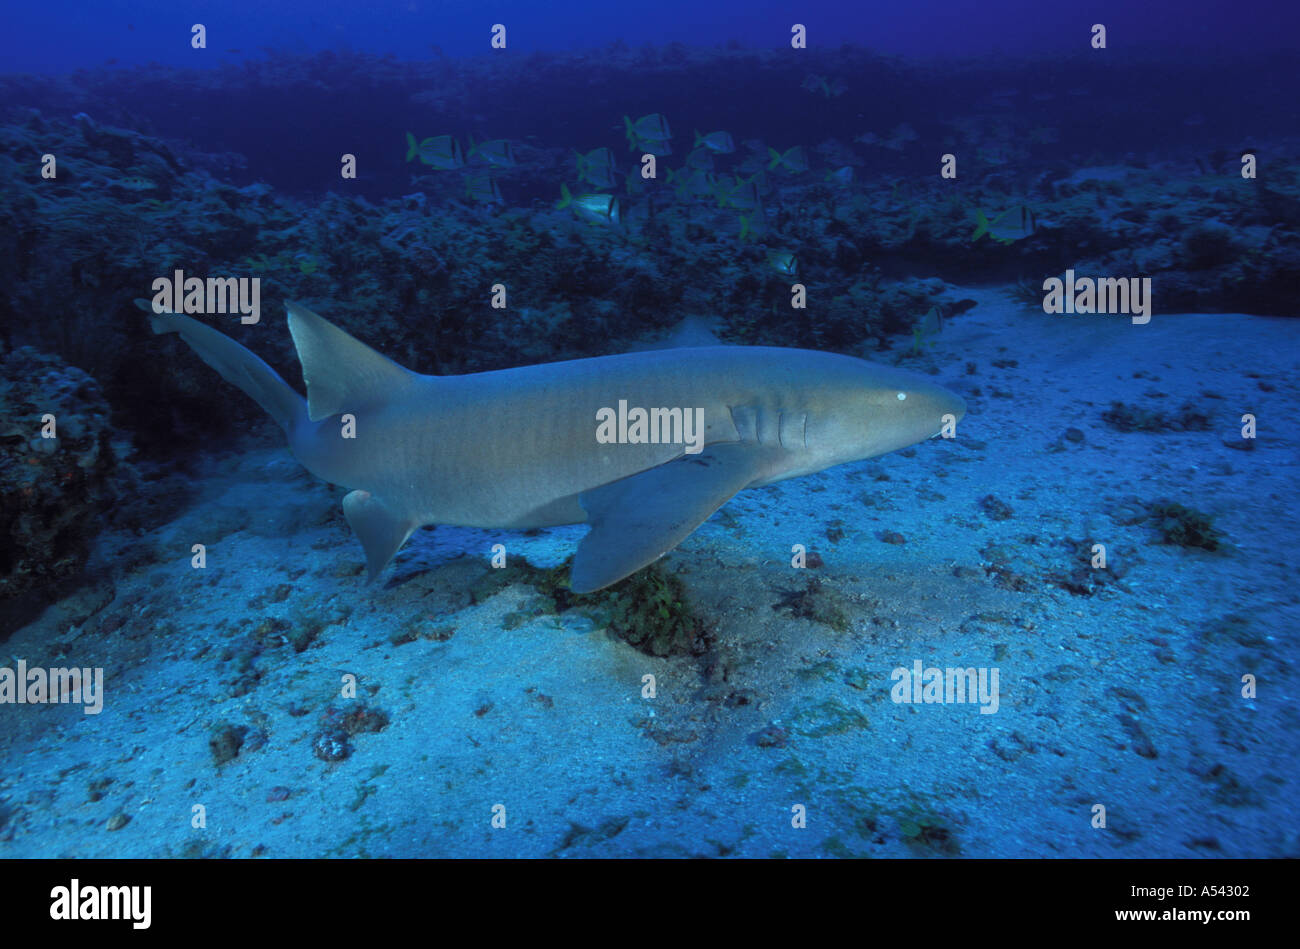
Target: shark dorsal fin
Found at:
x=693, y=332
x=342, y=374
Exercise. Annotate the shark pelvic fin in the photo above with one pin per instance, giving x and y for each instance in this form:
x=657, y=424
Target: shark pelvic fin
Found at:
x=342, y=374
x=381, y=532
x=636, y=520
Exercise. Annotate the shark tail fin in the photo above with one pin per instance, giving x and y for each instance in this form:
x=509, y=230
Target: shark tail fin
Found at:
x=237, y=365
x=342, y=373
x=982, y=225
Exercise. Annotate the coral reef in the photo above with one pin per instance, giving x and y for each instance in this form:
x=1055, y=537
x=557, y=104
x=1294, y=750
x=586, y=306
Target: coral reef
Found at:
x=53, y=491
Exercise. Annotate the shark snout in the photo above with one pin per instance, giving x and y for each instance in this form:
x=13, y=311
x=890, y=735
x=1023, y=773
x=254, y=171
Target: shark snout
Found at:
x=953, y=404
x=941, y=403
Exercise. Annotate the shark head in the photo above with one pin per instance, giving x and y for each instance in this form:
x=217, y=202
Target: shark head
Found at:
x=878, y=409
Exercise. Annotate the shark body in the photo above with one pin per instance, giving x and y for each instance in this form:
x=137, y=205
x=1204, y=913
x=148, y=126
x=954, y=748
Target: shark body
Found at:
x=518, y=448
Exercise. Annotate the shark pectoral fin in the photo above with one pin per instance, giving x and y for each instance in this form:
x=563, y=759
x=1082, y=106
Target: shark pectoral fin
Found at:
x=638, y=519
x=381, y=532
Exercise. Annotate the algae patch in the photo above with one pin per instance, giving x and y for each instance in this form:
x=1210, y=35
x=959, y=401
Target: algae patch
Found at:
x=1132, y=418
x=831, y=717
x=648, y=610
x=817, y=601
x=1184, y=526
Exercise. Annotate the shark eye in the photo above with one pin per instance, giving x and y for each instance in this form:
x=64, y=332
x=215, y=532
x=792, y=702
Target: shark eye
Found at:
x=902, y=396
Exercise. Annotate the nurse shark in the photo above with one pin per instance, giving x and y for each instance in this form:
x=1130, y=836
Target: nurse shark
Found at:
x=539, y=446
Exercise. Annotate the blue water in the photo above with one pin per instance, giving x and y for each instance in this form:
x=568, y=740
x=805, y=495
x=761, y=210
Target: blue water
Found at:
x=134, y=33
x=1102, y=539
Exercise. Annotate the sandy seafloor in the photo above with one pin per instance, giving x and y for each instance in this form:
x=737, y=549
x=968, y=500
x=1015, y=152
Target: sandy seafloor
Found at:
x=1128, y=698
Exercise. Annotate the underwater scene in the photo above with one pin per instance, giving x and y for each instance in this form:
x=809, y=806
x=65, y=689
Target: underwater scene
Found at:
x=752, y=431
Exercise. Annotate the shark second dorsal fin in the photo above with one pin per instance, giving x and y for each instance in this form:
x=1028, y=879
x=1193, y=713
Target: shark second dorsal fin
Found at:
x=342, y=374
